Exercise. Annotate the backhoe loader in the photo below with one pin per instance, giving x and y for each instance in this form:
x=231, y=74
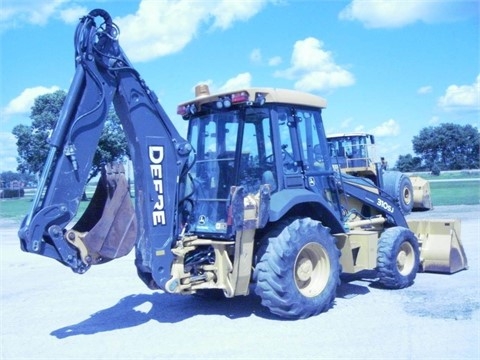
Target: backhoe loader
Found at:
x=242, y=203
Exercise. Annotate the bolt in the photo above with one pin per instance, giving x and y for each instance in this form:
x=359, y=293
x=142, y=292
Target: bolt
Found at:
x=36, y=246
x=55, y=231
x=71, y=236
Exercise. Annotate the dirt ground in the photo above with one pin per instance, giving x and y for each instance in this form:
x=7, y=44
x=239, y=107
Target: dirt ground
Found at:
x=47, y=311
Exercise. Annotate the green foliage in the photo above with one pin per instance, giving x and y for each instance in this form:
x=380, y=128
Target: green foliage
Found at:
x=408, y=163
x=32, y=140
x=448, y=146
x=11, y=193
x=7, y=177
x=112, y=145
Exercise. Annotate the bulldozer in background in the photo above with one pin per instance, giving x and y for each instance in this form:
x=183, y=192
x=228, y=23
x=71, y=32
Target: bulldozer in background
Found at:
x=355, y=154
x=244, y=202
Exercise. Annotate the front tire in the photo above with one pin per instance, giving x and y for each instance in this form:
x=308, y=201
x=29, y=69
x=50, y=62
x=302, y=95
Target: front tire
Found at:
x=398, y=258
x=299, y=271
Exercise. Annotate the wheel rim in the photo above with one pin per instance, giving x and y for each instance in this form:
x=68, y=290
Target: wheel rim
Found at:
x=312, y=270
x=407, y=195
x=405, y=258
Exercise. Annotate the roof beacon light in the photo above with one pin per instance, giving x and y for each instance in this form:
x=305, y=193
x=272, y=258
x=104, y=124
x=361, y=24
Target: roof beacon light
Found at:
x=202, y=90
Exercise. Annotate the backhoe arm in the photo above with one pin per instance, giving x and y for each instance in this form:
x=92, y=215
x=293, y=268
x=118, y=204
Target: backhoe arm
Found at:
x=104, y=76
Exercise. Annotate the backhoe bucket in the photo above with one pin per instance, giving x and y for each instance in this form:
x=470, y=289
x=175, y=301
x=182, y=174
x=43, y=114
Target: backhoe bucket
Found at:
x=422, y=199
x=441, y=249
x=108, y=227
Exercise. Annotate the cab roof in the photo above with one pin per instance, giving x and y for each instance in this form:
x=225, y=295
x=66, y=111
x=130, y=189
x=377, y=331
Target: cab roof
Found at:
x=271, y=95
x=343, y=135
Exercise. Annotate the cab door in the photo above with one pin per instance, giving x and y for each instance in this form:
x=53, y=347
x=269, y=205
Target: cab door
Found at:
x=313, y=157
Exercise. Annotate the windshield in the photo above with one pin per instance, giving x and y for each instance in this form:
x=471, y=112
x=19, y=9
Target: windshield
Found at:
x=233, y=148
x=350, y=151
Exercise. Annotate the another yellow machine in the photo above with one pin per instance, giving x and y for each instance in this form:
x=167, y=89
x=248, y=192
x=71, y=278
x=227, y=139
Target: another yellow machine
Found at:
x=355, y=154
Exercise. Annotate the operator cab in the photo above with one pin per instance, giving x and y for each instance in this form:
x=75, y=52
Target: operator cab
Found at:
x=354, y=150
x=246, y=139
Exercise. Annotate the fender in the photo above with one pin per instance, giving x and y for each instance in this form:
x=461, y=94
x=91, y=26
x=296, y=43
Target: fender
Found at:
x=282, y=202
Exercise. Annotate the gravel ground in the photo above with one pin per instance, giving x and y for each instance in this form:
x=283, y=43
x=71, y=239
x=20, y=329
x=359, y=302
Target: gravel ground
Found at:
x=49, y=312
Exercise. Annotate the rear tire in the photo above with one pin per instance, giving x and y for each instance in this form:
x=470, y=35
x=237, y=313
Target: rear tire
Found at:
x=397, y=258
x=299, y=271
x=400, y=187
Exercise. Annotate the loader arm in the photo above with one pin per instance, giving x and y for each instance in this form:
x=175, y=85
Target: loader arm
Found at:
x=373, y=197
x=104, y=76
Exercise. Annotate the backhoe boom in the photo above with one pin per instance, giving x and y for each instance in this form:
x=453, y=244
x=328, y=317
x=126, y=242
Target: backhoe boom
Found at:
x=104, y=76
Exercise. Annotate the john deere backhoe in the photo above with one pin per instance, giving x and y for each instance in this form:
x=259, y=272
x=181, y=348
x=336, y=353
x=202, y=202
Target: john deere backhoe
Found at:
x=242, y=202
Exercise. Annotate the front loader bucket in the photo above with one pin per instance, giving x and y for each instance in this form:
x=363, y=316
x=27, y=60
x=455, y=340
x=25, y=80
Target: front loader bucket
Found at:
x=422, y=199
x=441, y=248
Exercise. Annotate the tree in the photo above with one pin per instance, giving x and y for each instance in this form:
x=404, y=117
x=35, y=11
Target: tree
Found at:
x=448, y=146
x=112, y=145
x=32, y=140
x=408, y=163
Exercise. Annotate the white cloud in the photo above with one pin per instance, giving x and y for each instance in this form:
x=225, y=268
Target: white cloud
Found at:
x=23, y=102
x=8, y=152
x=424, y=90
x=73, y=14
x=226, y=12
x=240, y=81
x=345, y=124
x=395, y=14
x=160, y=28
x=347, y=127
x=275, y=61
x=387, y=128
x=156, y=29
x=256, y=56
x=15, y=13
x=314, y=69
x=461, y=97
x=359, y=128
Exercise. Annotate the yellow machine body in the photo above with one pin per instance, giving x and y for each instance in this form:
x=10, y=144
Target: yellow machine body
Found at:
x=422, y=199
x=441, y=248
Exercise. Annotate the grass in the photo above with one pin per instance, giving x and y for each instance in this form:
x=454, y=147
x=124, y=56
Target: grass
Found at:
x=455, y=192
x=465, y=192
x=452, y=175
x=17, y=209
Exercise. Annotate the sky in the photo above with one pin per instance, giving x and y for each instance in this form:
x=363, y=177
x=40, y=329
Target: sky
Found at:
x=385, y=67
